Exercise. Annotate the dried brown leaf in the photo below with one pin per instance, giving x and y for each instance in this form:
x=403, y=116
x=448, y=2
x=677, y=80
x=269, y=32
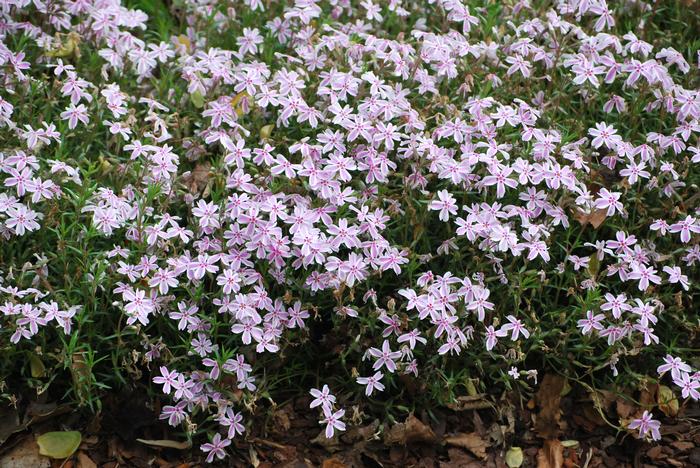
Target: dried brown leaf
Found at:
x=332, y=444
x=197, y=179
x=167, y=443
x=624, y=408
x=551, y=455
x=667, y=401
x=595, y=218
x=470, y=441
x=361, y=433
x=282, y=418
x=548, y=398
x=654, y=453
x=84, y=461
x=82, y=375
x=413, y=430
x=471, y=402
x=683, y=445
x=9, y=423
x=333, y=463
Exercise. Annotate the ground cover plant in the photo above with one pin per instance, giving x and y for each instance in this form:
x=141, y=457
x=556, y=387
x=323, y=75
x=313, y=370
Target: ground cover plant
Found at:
x=387, y=206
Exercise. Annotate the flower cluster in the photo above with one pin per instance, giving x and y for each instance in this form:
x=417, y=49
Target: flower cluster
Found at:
x=26, y=311
x=402, y=169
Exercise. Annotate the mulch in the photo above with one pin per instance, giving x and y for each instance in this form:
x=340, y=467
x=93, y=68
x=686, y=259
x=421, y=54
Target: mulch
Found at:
x=558, y=427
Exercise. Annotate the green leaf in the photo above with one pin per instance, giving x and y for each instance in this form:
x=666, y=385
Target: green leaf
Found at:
x=593, y=266
x=266, y=131
x=36, y=366
x=471, y=389
x=514, y=457
x=197, y=99
x=59, y=445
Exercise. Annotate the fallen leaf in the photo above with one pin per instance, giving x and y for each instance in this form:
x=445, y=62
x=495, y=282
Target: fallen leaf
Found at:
x=624, y=408
x=282, y=418
x=470, y=441
x=595, y=218
x=333, y=463
x=667, y=401
x=84, y=461
x=197, y=99
x=497, y=433
x=457, y=457
x=266, y=131
x=471, y=402
x=411, y=431
x=254, y=459
x=167, y=443
x=82, y=375
x=514, y=457
x=197, y=179
x=648, y=394
x=683, y=445
x=60, y=444
x=9, y=423
x=24, y=455
x=36, y=366
x=654, y=453
x=240, y=102
x=332, y=444
x=593, y=266
x=550, y=455
x=548, y=397
x=361, y=433
x=571, y=458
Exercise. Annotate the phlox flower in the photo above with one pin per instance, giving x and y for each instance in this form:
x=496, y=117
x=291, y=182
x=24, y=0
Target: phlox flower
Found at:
x=138, y=306
x=446, y=204
x=609, y=201
x=645, y=275
x=371, y=383
x=322, y=397
x=22, y=219
x=519, y=64
x=385, y=357
x=353, y=270
x=675, y=275
x=479, y=302
x=166, y=378
x=492, y=336
x=689, y=385
x=516, y=328
x=215, y=448
x=452, y=345
x=587, y=71
x=499, y=177
x=412, y=338
x=591, y=322
x=174, y=414
x=646, y=424
x=232, y=420
x=332, y=421
x=675, y=365
x=73, y=114
x=685, y=228
x=604, y=135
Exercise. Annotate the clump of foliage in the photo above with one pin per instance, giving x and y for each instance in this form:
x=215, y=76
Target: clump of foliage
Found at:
x=250, y=200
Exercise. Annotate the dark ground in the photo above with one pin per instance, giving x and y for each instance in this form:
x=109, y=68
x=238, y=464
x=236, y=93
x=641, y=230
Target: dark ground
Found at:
x=549, y=430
